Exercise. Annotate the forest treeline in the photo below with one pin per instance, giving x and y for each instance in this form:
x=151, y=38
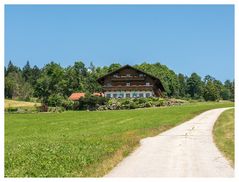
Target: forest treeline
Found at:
x=54, y=83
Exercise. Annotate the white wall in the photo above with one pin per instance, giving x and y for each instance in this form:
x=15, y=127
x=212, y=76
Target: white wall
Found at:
x=130, y=92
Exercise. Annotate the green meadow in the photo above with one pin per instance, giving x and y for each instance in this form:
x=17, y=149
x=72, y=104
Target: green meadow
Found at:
x=224, y=134
x=85, y=144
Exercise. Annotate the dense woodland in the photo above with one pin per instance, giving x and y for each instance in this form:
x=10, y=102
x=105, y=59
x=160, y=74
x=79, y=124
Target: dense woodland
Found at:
x=53, y=84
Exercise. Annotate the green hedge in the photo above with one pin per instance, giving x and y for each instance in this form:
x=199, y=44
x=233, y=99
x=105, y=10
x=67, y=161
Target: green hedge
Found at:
x=134, y=103
x=100, y=103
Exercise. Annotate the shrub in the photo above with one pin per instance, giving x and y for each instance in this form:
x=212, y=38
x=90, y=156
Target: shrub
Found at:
x=90, y=102
x=129, y=103
x=42, y=108
x=11, y=109
x=125, y=103
x=68, y=104
x=148, y=104
x=142, y=100
x=114, y=104
x=56, y=109
x=26, y=110
x=133, y=103
x=102, y=108
x=55, y=100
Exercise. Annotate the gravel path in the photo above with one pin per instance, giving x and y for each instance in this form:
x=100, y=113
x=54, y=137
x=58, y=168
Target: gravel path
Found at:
x=187, y=150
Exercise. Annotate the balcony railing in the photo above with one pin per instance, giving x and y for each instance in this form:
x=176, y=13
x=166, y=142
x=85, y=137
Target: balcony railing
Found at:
x=131, y=87
x=120, y=78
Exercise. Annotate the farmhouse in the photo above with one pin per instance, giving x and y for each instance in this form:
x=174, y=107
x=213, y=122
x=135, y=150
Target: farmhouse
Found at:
x=128, y=81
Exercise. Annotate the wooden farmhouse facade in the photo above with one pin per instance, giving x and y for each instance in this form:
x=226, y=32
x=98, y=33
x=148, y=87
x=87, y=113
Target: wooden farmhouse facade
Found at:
x=128, y=81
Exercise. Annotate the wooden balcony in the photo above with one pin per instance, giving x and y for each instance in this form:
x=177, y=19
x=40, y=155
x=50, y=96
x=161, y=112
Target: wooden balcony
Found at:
x=125, y=78
x=129, y=88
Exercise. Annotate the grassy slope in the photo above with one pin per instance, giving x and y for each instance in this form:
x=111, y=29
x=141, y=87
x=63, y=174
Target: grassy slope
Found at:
x=84, y=143
x=224, y=134
x=13, y=103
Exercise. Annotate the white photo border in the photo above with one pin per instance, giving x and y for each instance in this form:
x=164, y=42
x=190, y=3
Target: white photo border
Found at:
x=119, y=2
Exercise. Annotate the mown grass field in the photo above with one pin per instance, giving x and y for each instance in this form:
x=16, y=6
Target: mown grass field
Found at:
x=224, y=134
x=84, y=143
x=13, y=103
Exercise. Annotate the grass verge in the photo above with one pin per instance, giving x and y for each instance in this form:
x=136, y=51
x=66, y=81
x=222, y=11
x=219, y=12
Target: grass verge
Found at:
x=84, y=144
x=223, y=132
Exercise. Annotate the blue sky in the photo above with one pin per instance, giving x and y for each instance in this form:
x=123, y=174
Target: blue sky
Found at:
x=186, y=38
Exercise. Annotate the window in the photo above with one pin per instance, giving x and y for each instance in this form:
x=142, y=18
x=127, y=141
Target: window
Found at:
x=108, y=95
x=108, y=84
x=134, y=94
x=141, y=75
x=115, y=95
x=127, y=95
x=121, y=95
x=141, y=95
x=127, y=84
x=148, y=94
x=147, y=84
x=128, y=75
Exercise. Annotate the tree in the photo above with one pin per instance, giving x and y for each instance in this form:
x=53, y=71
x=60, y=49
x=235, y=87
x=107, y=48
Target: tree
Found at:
x=80, y=68
x=211, y=92
x=5, y=71
x=92, y=68
x=230, y=86
x=35, y=75
x=75, y=77
x=168, y=77
x=213, y=88
x=9, y=86
x=182, y=85
x=114, y=67
x=51, y=82
x=194, y=86
x=11, y=68
x=16, y=87
x=27, y=72
x=233, y=90
x=91, y=80
x=225, y=94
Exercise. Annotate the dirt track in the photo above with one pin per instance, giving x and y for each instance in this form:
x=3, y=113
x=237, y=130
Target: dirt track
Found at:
x=187, y=150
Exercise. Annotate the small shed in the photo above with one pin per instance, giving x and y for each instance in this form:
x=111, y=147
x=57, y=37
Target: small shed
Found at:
x=76, y=96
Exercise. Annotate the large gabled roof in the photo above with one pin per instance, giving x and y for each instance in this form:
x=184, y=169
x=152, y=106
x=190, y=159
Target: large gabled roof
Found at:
x=128, y=66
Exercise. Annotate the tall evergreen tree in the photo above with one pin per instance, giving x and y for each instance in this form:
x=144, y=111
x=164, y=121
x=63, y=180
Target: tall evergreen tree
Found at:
x=35, y=74
x=16, y=87
x=12, y=68
x=27, y=72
